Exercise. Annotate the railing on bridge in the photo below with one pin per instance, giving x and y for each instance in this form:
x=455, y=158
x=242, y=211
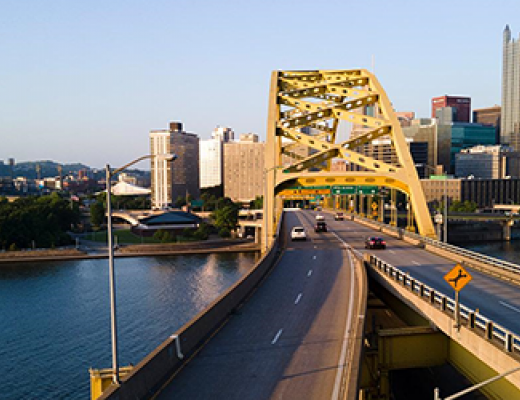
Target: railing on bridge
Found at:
x=488, y=329
x=481, y=258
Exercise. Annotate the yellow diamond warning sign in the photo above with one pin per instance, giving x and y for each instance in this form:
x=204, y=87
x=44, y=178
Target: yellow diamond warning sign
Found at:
x=458, y=277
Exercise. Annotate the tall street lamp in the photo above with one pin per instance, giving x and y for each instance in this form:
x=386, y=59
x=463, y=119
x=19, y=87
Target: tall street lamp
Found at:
x=113, y=322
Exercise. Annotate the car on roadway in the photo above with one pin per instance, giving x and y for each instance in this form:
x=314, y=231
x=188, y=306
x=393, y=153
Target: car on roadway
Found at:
x=321, y=226
x=318, y=208
x=373, y=242
x=320, y=217
x=339, y=216
x=298, y=233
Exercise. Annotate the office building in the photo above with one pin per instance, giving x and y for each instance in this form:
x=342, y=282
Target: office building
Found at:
x=405, y=117
x=435, y=190
x=223, y=134
x=244, y=168
x=211, y=162
x=488, y=192
x=510, y=90
x=339, y=165
x=180, y=178
x=425, y=130
x=211, y=157
x=486, y=162
x=489, y=116
x=461, y=106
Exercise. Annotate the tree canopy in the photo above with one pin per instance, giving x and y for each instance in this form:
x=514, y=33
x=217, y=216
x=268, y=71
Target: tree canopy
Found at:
x=42, y=219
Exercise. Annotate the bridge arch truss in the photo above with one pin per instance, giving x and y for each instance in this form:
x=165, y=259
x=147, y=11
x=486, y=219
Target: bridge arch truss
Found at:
x=305, y=110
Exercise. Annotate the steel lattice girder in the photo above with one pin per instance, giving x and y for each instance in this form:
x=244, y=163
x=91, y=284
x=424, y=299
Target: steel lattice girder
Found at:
x=319, y=100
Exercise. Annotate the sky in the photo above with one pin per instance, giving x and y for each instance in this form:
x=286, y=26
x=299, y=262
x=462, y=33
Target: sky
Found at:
x=85, y=81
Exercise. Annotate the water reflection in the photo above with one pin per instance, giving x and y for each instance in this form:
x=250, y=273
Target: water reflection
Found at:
x=509, y=251
x=55, y=318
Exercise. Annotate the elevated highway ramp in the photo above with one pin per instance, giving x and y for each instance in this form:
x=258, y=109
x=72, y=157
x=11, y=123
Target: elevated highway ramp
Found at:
x=292, y=339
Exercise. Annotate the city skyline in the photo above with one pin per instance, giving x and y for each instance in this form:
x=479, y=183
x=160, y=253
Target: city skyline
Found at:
x=88, y=82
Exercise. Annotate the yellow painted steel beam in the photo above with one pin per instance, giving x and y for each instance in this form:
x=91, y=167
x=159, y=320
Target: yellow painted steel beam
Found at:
x=351, y=156
x=283, y=180
x=312, y=161
x=358, y=118
x=367, y=137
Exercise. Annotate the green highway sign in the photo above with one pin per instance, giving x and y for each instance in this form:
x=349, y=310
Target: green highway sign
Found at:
x=368, y=189
x=308, y=187
x=343, y=189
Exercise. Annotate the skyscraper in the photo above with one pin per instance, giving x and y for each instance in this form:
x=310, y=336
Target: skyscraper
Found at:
x=510, y=90
x=180, y=178
x=461, y=107
x=244, y=168
x=211, y=157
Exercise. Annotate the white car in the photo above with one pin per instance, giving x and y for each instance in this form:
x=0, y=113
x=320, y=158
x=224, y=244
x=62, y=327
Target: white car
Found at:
x=320, y=217
x=298, y=233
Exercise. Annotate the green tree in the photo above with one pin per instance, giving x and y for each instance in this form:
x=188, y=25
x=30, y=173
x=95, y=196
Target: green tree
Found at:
x=180, y=202
x=202, y=232
x=257, y=203
x=224, y=233
x=97, y=213
x=226, y=217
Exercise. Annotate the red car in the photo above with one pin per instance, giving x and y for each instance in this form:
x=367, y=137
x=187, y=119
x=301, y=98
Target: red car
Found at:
x=375, y=243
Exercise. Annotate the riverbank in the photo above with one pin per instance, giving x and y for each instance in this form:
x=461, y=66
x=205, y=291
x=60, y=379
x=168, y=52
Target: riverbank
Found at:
x=137, y=250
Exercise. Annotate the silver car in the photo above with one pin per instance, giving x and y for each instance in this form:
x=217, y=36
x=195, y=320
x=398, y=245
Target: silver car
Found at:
x=298, y=233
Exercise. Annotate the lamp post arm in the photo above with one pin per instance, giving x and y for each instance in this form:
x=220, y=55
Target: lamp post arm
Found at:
x=116, y=171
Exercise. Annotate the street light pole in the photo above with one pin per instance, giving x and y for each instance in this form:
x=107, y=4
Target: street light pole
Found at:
x=113, y=319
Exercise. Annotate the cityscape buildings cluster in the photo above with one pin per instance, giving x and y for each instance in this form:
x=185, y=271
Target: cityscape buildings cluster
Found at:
x=479, y=146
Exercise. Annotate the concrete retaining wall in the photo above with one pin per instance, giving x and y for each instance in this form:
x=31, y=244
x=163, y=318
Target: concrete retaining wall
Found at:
x=154, y=370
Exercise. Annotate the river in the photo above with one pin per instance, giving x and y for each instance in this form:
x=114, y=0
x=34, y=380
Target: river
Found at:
x=55, y=316
x=509, y=251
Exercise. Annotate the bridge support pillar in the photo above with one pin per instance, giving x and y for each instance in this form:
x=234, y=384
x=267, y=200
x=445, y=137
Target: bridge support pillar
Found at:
x=506, y=230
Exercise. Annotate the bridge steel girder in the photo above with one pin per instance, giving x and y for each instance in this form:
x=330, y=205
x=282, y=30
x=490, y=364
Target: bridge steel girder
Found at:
x=319, y=100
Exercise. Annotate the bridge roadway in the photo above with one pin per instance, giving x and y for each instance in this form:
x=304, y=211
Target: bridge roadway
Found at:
x=496, y=299
x=290, y=340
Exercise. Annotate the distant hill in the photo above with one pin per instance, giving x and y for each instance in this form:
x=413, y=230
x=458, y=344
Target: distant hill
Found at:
x=49, y=169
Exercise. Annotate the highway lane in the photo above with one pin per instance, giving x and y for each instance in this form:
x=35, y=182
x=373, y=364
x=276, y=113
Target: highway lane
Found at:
x=289, y=340
x=495, y=299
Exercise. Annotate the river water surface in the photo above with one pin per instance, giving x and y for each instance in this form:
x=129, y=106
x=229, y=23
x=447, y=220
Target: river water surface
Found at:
x=55, y=316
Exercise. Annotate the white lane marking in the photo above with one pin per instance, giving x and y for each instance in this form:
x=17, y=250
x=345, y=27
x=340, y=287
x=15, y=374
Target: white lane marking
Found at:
x=416, y=263
x=314, y=257
x=343, y=356
x=391, y=251
x=298, y=299
x=309, y=273
x=356, y=252
x=277, y=336
x=510, y=306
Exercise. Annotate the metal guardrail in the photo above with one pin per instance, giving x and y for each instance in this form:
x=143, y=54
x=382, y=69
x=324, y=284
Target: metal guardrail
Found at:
x=495, y=262
x=472, y=319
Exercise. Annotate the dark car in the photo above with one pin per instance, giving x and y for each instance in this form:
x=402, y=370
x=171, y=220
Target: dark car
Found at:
x=339, y=216
x=321, y=226
x=375, y=243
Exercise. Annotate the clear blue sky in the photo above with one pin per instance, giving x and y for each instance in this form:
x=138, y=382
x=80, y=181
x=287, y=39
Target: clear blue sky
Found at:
x=85, y=81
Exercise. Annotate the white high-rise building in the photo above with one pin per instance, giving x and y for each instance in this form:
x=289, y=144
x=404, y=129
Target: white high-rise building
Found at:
x=180, y=178
x=211, y=162
x=223, y=134
x=510, y=90
x=212, y=158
